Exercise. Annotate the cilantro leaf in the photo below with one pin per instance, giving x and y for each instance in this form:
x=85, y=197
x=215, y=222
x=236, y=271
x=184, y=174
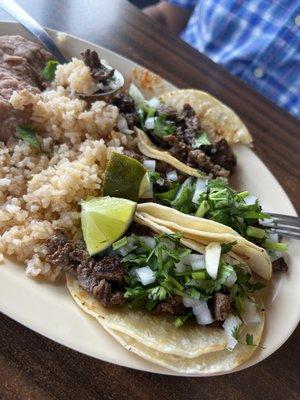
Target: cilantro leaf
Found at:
x=163, y=127
x=157, y=293
x=201, y=140
x=28, y=134
x=235, y=333
x=179, y=321
x=249, y=341
x=49, y=70
x=153, y=176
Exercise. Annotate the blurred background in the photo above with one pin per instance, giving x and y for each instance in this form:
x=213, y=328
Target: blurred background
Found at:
x=143, y=3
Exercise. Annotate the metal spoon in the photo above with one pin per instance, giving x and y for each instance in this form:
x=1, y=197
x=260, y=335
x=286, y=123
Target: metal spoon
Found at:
x=17, y=12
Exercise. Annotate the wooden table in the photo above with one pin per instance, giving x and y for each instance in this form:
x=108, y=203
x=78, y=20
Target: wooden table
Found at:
x=35, y=368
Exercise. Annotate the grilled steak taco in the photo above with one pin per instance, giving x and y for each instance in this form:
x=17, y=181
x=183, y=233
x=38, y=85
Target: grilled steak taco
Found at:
x=192, y=131
x=187, y=305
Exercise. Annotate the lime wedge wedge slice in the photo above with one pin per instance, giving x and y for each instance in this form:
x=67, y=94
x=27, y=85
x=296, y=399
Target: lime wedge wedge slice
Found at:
x=104, y=220
x=123, y=177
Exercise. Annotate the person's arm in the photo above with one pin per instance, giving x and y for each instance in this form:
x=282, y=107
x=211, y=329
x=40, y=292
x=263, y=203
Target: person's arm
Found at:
x=173, y=15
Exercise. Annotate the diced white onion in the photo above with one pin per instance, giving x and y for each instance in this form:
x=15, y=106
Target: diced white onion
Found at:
x=150, y=122
x=154, y=102
x=250, y=314
x=136, y=94
x=200, y=310
x=250, y=200
x=180, y=267
x=148, y=241
x=126, y=249
x=188, y=302
x=123, y=126
x=231, y=279
x=145, y=275
x=266, y=222
x=196, y=261
x=201, y=186
x=202, y=313
x=230, y=323
x=212, y=258
x=149, y=164
x=273, y=237
x=172, y=175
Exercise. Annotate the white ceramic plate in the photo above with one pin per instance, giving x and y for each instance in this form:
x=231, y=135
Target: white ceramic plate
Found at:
x=49, y=310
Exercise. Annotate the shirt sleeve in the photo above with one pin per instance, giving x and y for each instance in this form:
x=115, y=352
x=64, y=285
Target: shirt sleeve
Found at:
x=183, y=3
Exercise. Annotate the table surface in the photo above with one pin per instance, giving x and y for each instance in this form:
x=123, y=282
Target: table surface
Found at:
x=33, y=367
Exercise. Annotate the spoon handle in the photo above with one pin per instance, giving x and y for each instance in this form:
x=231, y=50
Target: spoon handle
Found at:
x=17, y=12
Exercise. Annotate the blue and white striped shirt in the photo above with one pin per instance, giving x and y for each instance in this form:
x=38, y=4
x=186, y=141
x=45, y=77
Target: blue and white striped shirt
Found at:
x=256, y=40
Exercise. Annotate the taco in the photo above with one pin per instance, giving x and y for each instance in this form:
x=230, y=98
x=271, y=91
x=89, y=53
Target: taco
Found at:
x=204, y=231
x=192, y=131
x=170, y=299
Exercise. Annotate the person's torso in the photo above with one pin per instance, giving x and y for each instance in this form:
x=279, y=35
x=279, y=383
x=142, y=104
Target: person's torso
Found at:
x=257, y=40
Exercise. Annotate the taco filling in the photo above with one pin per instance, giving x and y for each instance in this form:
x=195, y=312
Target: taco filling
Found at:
x=156, y=273
x=178, y=132
x=181, y=134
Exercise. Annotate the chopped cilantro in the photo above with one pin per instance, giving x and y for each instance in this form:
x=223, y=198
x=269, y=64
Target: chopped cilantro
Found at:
x=49, y=70
x=235, y=333
x=249, y=341
x=162, y=259
x=120, y=243
x=179, y=321
x=163, y=127
x=28, y=134
x=222, y=204
x=201, y=140
x=153, y=176
x=167, y=197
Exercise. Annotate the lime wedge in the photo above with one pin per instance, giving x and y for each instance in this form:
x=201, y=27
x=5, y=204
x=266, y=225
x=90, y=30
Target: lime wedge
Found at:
x=123, y=177
x=104, y=220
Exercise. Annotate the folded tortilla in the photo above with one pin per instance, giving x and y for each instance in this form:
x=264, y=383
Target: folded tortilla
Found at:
x=190, y=349
x=204, y=231
x=217, y=120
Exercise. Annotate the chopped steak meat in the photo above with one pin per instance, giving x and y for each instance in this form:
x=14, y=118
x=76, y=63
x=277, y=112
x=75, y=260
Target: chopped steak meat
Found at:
x=103, y=293
x=221, y=306
x=172, y=306
x=109, y=268
x=280, y=265
x=99, y=71
x=66, y=254
x=134, y=154
x=198, y=159
x=221, y=153
x=21, y=65
x=178, y=149
x=126, y=106
x=167, y=111
x=216, y=159
x=98, y=276
x=124, y=103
